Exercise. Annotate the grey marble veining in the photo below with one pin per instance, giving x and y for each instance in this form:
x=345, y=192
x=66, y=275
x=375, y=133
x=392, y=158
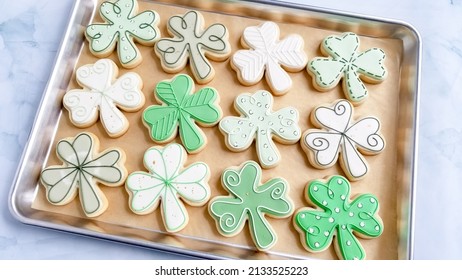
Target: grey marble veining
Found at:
x=30, y=33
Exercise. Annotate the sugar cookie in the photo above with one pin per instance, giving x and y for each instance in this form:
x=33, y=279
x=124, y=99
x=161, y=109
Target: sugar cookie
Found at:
x=259, y=122
x=104, y=93
x=168, y=181
x=268, y=54
x=250, y=200
x=123, y=26
x=181, y=108
x=339, y=217
x=344, y=62
x=340, y=135
x=83, y=169
x=192, y=42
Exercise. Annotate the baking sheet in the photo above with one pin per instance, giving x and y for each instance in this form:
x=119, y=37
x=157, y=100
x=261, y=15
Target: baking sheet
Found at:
x=391, y=175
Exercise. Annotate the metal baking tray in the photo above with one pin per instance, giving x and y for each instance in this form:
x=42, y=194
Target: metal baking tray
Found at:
x=41, y=138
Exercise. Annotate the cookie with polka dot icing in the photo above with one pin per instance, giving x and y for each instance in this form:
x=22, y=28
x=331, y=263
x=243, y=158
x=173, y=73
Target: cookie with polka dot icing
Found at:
x=337, y=218
x=259, y=122
x=123, y=27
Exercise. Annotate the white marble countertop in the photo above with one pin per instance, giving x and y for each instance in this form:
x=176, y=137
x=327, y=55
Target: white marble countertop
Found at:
x=30, y=33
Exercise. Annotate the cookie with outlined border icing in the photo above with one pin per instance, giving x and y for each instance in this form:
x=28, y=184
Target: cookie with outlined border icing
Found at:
x=345, y=62
x=166, y=182
x=258, y=122
x=105, y=93
x=122, y=27
x=267, y=54
x=336, y=215
x=82, y=172
x=191, y=42
x=341, y=135
x=251, y=200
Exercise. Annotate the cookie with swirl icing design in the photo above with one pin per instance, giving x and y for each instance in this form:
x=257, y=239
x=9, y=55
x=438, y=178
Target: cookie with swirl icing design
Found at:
x=340, y=136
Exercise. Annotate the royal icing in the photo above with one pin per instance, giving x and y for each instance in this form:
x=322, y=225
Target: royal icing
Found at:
x=101, y=93
x=123, y=26
x=180, y=108
x=169, y=182
x=82, y=170
x=340, y=135
x=270, y=53
x=250, y=200
x=192, y=41
x=259, y=122
x=344, y=62
x=338, y=216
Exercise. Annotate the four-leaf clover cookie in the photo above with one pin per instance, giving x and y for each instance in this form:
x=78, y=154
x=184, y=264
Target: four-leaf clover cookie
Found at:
x=269, y=54
x=259, y=122
x=192, y=42
x=338, y=216
x=166, y=182
x=340, y=135
x=83, y=170
x=180, y=110
x=104, y=93
x=122, y=27
x=344, y=62
x=250, y=200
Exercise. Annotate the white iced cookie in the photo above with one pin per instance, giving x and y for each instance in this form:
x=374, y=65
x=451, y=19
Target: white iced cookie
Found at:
x=259, y=122
x=191, y=41
x=269, y=55
x=340, y=135
x=345, y=62
x=104, y=93
x=83, y=169
x=167, y=181
x=122, y=27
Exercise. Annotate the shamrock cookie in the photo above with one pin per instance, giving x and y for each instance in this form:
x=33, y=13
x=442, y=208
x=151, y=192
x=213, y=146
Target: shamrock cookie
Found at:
x=339, y=217
x=83, y=169
x=192, y=42
x=340, y=135
x=250, y=200
x=259, y=122
x=270, y=53
x=123, y=27
x=180, y=108
x=104, y=93
x=344, y=62
x=168, y=181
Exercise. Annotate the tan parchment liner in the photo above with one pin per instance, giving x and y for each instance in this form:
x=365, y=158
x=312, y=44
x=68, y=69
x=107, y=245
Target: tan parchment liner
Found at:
x=294, y=166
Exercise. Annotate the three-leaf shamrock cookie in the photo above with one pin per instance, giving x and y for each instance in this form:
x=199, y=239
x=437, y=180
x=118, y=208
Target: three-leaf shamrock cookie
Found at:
x=250, y=200
x=83, y=169
x=122, y=27
x=167, y=182
x=344, y=62
x=181, y=108
x=269, y=54
x=338, y=216
x=192, y=42
x=259, y=122
x=104, y=93
x=340, y=135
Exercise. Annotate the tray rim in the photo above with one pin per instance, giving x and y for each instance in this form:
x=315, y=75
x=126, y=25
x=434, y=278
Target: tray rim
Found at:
x=13, y=208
